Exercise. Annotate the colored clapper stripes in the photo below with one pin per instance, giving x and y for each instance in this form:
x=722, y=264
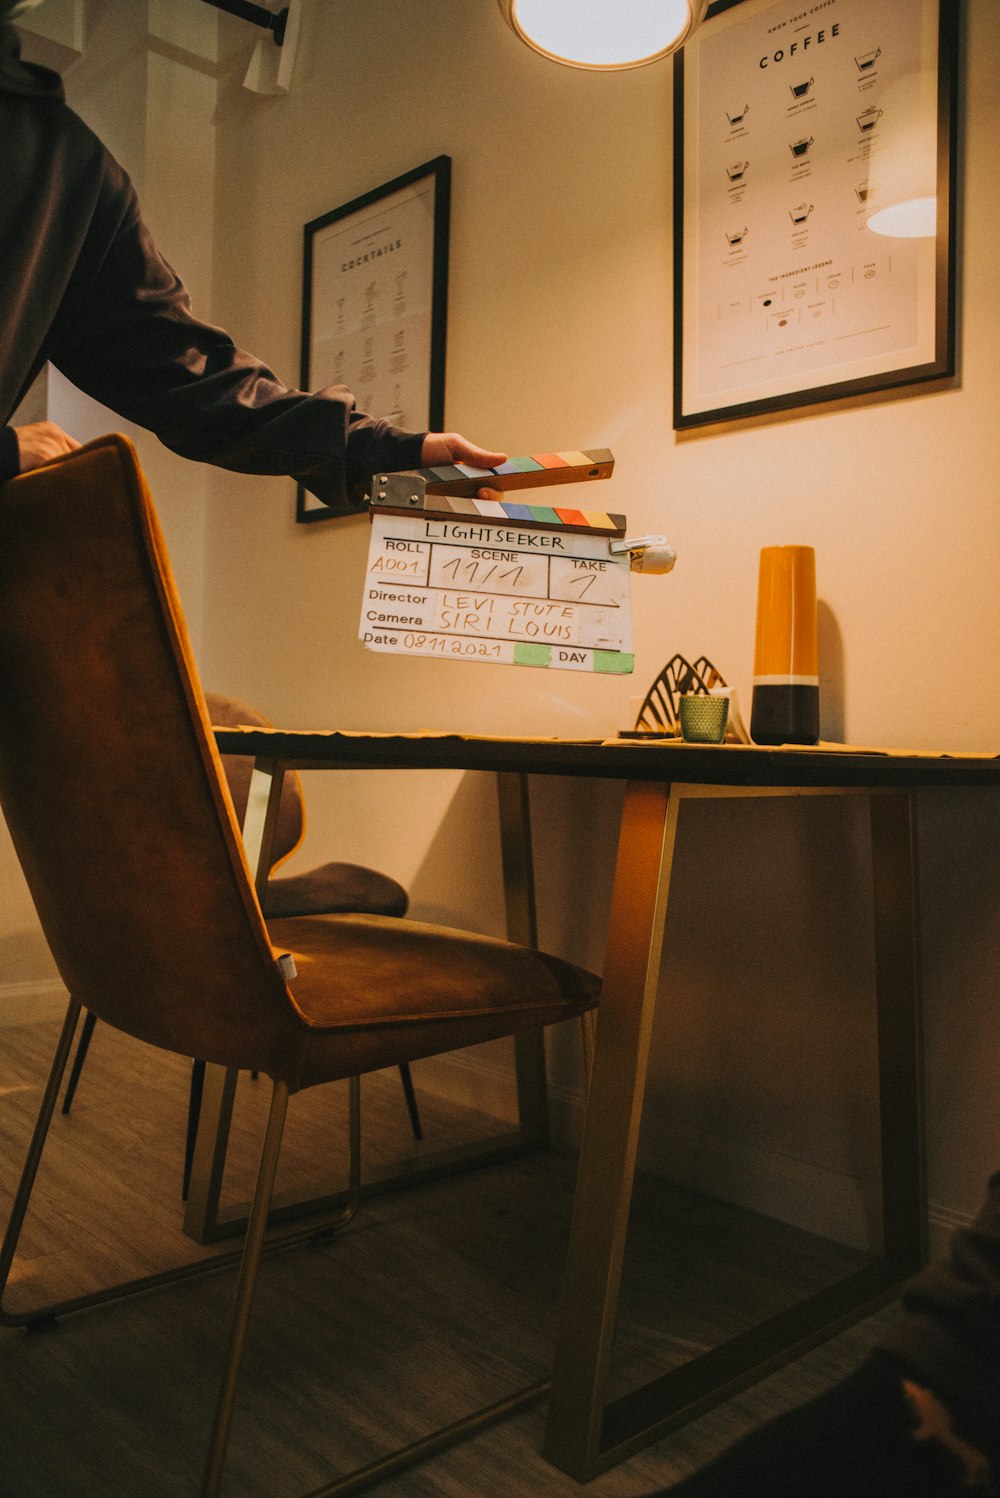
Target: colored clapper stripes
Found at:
x=459, y=571
x=453, y=490
x=521, y=473
x=510, y=510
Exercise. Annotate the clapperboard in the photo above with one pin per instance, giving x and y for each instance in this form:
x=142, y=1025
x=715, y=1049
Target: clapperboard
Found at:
x=502, y=581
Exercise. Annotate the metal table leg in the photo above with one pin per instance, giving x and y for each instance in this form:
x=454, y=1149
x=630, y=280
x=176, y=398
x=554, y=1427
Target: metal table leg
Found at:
x=584, y=1434
x=573, y=1436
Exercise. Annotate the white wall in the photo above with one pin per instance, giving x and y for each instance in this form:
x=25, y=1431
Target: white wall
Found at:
x=146, y=84
x=560, y=336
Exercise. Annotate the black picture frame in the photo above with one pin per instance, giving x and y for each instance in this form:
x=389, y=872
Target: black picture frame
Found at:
x=726, y=359
x=380, y=260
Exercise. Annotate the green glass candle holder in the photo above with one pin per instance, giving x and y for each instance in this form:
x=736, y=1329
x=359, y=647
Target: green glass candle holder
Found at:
x=703, y=719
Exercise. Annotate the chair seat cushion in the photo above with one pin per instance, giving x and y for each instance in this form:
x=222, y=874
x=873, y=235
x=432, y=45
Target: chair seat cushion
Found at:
x=334, y=888
x=374, y=991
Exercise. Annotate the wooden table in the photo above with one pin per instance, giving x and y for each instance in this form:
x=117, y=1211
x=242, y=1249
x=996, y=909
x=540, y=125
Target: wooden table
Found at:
x=584, y=1433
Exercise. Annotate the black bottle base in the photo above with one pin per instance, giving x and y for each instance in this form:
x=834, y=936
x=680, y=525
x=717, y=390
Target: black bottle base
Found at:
x=786, y=714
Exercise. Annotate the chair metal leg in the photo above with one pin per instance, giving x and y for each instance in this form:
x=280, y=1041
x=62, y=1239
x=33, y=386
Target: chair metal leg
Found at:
x=588, y=1032
x=194, y=1113
x=22, y=1197
x=406, y=1077
x=252, y=1248
x=86, y=1034
x=8, y=1248
x=194, y=1098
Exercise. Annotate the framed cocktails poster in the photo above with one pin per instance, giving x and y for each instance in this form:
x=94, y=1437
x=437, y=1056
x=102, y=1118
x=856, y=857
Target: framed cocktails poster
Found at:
x=814, y=206
x=374, y=305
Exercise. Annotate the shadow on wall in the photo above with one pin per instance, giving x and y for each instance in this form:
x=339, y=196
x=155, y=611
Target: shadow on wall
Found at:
x=832, y=707
x=960, y=922
x=460, y=881
x=574, y=834
x=763, y=1083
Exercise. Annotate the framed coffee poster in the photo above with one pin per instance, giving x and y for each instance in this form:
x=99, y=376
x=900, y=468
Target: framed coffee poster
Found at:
x=814, y=205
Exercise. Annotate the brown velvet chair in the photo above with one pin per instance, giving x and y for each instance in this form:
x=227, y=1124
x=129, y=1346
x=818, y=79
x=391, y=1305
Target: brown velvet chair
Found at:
x=118, y=808
x=329, y=889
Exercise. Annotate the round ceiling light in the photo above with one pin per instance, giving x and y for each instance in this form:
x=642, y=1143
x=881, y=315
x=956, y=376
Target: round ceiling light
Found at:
x=604, y=34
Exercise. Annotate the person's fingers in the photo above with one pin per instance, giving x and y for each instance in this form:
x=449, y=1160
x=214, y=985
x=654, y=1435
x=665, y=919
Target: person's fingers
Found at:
x=39, y=442
x=452, y=447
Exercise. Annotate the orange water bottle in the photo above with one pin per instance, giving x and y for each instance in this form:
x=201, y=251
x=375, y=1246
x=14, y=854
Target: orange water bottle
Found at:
x=786, y=667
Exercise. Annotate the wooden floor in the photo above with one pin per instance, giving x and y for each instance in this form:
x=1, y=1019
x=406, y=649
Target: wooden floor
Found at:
x=435, y=1301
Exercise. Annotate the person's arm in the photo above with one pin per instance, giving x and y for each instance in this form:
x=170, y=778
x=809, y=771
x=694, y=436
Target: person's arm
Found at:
x=130, y=339
x=25, y=447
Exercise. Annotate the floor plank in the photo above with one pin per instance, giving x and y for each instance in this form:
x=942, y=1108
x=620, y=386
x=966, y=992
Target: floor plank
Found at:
x=433, y=1302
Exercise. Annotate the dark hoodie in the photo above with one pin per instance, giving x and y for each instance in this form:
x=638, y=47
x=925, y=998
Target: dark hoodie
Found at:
x=82, y=284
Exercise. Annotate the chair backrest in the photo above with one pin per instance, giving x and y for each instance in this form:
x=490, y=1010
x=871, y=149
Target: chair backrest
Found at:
x=231, y=712
x=109, y=776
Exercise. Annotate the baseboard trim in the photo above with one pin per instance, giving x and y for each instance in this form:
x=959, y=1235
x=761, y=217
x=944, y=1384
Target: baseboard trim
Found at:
x=473, y=1079
x=482, y=1078
x=29, y=1003
x=820, y=1200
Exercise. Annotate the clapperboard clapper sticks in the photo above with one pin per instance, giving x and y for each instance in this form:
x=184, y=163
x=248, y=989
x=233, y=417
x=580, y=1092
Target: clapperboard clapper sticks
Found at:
x=498, y=580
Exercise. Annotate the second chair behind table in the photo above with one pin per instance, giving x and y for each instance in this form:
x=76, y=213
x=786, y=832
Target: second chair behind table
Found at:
x=329, y=889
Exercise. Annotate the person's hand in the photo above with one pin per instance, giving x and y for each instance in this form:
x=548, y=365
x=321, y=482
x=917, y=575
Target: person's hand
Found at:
x=41, y=441
x=449, y=447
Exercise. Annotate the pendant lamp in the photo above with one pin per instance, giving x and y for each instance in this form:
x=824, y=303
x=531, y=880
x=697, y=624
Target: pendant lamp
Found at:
x=902, y=184
x=603, y=34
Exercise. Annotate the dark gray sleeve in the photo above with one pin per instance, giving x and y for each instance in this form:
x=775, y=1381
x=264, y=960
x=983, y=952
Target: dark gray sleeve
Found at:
x=132, y=342
x=10, y=454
